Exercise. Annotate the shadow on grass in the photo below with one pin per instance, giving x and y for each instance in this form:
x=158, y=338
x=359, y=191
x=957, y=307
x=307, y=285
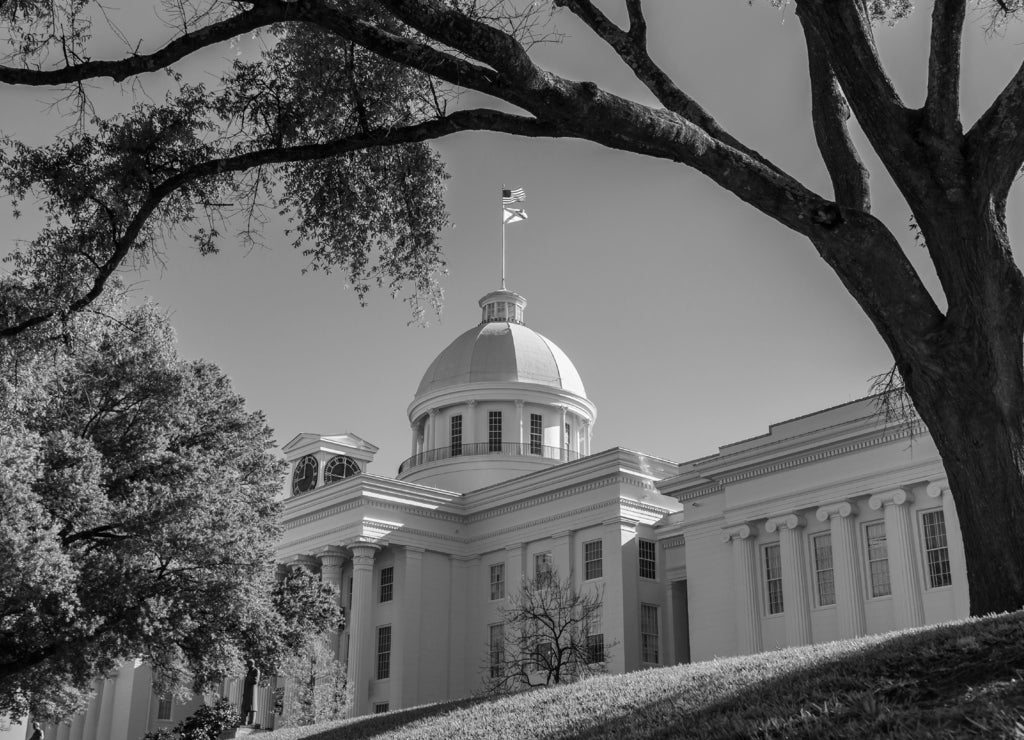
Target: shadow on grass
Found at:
x=952, y=681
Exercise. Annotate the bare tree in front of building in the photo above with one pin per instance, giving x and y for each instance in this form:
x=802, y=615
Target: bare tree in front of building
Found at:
x=317, y=685
x=550, y=633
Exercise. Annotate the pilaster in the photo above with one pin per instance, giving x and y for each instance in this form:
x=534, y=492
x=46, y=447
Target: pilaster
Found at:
x=955, y=544
x=406, y=651
x=846, y=570
x=470, y=430
x=106, y=709
x=620, y=610
x=561, y=554
x=464, y=607
x=519, y=423
x=908, y=606
x=748, y=616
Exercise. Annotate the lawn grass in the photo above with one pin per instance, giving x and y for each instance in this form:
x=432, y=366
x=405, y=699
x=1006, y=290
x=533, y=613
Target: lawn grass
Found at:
x=950, y=681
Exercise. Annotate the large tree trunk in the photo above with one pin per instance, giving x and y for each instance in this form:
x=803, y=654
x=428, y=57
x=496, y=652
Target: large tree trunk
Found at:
x=983, y=458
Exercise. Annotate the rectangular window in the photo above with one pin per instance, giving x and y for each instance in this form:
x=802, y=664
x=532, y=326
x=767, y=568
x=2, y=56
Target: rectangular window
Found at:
x=536, y=434
x=648, y=559
x=936, y=549
x=496, y=649
x=163, y=708
x=773, y=579
x=824, y=575
x=878, y=559
x=494, y=431
x=497, y=581
x=387, y=584
x=384, y=652
x=592, y=565
x=595, y=648
x=649, y=633
x=381, y=707
x=455, y=435
x=542, y=569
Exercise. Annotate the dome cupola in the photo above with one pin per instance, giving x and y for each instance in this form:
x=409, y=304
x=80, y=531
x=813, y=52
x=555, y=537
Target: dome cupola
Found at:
x=500, y=401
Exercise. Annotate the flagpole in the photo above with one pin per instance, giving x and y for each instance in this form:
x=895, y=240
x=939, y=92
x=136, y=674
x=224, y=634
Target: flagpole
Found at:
x=503, y=239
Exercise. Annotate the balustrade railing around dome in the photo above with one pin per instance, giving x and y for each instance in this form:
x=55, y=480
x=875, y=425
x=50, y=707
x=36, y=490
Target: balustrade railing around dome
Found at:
x=469, y=449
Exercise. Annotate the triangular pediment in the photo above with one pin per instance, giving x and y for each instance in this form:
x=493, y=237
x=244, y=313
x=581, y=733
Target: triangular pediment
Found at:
x=309, y=443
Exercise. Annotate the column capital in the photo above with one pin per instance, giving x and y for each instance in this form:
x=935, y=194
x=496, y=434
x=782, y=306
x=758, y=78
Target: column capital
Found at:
x=308, y=563
x=842, y=510
x=895, y=497
x=519, y=403
x=363, y=554
x=741, y=532
x=332, y=556
x=471, y=402
x=936, y=488
x=432, y=413
x=787, y=521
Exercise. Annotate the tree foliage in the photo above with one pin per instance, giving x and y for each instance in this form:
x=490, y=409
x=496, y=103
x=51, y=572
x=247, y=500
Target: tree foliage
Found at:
x=330, y=125
x=550, y=634
x=137, y=515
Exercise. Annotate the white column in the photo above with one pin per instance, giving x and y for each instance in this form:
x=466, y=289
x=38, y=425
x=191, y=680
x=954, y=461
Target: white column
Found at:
x=361, y=642
x=332, y=560
x=845, y=568
x=465, y=580
x=620, y=617
x=92, y=712
x=431, y=431
x=405, y=655
x=514, y=574
x=519, y=425
x=955, y=545
x=563, y=441
x=106, y=709
x=796, y=605
x=470, y=432
x=586, y=438
x=415, y=438
x=748, y=616
x=908, y=606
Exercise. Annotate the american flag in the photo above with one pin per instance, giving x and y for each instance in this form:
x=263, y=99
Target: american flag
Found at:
x=508, y=197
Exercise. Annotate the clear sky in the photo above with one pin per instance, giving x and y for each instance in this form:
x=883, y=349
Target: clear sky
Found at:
x=693, y=320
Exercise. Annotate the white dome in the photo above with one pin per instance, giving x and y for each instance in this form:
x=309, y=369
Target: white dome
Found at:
x=499, y=351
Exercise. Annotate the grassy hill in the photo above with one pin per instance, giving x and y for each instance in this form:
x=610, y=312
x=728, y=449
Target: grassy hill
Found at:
x=952, y=681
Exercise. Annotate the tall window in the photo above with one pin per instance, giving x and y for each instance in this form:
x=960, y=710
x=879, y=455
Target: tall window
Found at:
x=595, y=648
x=536, y=434
x=497, y=581
x=878, y=559
x=496, y=648
x=455, y=436
x=494, y=431
x=773, y=579
x=387, y=584
x=824, y=575
x=384, y=652
x=163, y=708
x=649, y=633
x=542, y=569
x=936, y=549
x=592, y=565
x=648, y=559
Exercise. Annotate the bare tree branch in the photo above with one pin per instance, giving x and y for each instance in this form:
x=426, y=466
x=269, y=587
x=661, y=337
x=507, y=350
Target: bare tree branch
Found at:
x=829, y=113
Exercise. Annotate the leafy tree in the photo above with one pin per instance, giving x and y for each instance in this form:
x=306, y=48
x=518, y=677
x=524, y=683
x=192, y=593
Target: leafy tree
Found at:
x=339, y=107
x=317, y=685
x=548, y=635
x=137, y=516
x=209, y=721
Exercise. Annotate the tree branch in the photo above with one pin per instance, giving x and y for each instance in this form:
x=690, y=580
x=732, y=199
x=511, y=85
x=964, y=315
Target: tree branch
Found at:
x=478, y=119
x=829, y=113
x=942, y=104
x=995, y=143
x=260, y=15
